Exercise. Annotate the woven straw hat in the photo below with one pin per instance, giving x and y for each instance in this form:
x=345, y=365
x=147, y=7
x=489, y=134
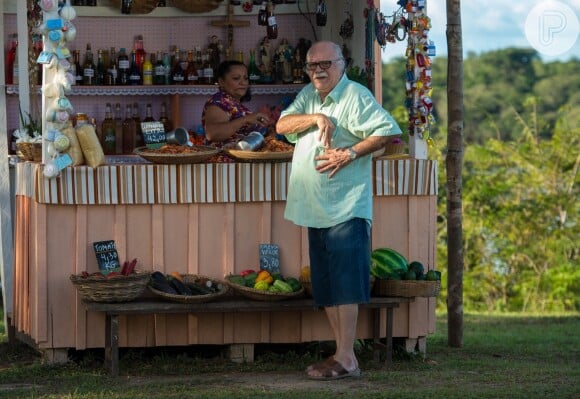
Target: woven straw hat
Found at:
x=196, y=6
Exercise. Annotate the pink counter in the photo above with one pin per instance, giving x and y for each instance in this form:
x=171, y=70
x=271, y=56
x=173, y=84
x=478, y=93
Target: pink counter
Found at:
x=201, y=219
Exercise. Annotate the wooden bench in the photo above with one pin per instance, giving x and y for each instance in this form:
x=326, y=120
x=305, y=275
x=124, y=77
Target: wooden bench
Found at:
x=113, y=310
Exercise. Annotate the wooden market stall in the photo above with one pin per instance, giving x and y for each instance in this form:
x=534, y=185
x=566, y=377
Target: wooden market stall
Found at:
x=206, y=218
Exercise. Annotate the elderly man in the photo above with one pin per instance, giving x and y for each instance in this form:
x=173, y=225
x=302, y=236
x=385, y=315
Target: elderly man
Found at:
x=336, y=125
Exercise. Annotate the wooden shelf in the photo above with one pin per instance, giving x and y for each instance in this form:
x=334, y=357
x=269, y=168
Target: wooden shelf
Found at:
x=170, y=12
x=194, y=90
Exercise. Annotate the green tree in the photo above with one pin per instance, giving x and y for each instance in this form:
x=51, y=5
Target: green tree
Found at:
x=522, y=218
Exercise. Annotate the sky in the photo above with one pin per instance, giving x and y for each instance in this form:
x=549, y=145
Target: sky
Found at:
x=489, y=25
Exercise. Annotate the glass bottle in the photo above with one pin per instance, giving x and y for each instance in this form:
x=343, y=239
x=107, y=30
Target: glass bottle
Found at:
x=112, y=77
x=11, y=59
x=123, y=66
x=272, y=29
x=15, y=72
x=263, y=15
x=118, y=129
x=253, y=71
x=159, y=70
x=89, y=67
x=140, y=54
x=148, y=114
x=129, y=131
x=126, y=6
x=191, y=73
x=199, y=64
x=167, y=69
x=138, y=132
x=134, y=74
x=163, y=118
x=100, y=73
x=39, y=67
x=78, y=68
x=177, y=72
x=207, y=70
x=108, y=132
x=148, y=70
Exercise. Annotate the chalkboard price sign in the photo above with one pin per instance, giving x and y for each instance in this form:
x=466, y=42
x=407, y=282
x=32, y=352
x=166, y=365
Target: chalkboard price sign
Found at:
x=153, y=134
x=107, y=256
x=270, y=258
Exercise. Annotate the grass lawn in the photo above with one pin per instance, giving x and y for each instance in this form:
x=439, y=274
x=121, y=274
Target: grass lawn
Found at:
x=504, y=356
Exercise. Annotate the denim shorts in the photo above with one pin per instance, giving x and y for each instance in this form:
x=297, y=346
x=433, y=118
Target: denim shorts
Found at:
x=340, y=263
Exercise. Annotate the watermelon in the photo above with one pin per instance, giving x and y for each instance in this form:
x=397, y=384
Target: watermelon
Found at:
x=417, y=267
x=388, y=263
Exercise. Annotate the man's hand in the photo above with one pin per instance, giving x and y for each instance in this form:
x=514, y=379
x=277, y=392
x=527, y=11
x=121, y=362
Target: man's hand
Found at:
x=326, y=129
x=333, y=159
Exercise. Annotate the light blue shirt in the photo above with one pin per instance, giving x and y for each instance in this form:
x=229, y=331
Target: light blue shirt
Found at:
x=314, y=200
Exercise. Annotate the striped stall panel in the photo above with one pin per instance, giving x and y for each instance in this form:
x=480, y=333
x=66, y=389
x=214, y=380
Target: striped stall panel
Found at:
x=201, y=183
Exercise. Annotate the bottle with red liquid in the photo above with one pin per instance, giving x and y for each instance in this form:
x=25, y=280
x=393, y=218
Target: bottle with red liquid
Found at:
x=139, y=52
x=10, y=59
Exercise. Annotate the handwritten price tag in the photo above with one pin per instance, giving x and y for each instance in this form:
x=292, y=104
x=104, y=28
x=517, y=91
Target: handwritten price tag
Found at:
x=107, y=256
x=270, y=258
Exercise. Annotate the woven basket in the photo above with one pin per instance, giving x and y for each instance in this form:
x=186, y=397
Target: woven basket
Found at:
x=307, y=284
x=192, y=279
x=29, y=151
x=407, y=288
x=394, y=148
x=259, y=295
x=196, y=6
x=113, y=289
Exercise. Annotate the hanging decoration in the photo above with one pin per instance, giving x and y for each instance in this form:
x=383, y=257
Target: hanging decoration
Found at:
x=370, y=14
x=57, y=30
x=418, y=85
x=415, y=27
x=321, y=13
x=347, y=27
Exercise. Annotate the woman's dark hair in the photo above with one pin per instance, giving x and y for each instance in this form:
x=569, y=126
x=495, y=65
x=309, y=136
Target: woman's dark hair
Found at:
x=224, y=68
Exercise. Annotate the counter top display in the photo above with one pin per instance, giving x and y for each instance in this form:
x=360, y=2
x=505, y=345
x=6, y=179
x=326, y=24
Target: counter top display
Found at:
x=136, y=183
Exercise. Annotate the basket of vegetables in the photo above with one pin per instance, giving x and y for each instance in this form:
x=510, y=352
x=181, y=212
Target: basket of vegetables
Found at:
x=396, y=277
x=123, y=286
x=187, y=288
x=265, y=286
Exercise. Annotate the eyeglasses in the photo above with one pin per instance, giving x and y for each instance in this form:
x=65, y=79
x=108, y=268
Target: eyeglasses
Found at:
x=311, y=66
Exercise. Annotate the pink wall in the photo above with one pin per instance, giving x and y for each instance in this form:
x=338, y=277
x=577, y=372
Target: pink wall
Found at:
x=160, y=34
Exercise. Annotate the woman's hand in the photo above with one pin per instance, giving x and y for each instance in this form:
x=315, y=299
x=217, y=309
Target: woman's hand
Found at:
x=258, y=119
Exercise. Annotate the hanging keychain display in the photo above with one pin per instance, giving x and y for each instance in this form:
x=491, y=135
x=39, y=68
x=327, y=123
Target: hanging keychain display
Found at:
x=418, y=77
x=57, y=29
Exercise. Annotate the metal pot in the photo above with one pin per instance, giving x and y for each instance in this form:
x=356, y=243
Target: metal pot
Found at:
x=251, y=142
